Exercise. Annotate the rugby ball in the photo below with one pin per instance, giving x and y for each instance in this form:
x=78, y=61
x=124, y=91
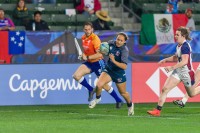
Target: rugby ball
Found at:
x=104, y=48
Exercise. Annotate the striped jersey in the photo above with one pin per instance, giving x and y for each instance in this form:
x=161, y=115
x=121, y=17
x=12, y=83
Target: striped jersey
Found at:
x=6, y=22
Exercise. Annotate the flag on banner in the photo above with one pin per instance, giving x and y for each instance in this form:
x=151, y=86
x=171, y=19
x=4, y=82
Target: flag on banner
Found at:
x=160, y=28
x=16, y=42
x=4, y=55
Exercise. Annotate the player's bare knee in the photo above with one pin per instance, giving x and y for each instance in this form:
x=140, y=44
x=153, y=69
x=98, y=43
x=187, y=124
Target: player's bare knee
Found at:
x=99, y=85
x=124, y=93
x=191, y=94
x=165, y=90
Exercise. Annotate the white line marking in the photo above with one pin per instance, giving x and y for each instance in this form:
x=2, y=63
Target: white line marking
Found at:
x=134, y=116
x=173, y=107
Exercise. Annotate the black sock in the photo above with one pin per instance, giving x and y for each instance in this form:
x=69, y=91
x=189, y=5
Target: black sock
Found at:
x=159, y=107
x=97, y=97
x=129, y=104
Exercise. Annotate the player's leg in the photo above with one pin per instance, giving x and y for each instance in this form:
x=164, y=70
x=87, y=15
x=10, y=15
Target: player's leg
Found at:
x=197, y=76
x=113, y=93
x=122, y=90
x=79, y=76
x=97, y=68
x=170, y=83
x=117, y=77
x=181, y=103
x=104, y=78
x=192, y=88
x=193, y=91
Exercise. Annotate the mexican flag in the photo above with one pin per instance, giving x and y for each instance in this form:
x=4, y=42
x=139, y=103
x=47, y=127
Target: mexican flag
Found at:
x=160, y=28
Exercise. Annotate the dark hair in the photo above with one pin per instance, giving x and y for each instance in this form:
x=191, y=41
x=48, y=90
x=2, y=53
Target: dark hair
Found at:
x=2, y=9
x=185, y=32
x=88, y=23
x=37, y=12
x=123, y=34
x=17, y=4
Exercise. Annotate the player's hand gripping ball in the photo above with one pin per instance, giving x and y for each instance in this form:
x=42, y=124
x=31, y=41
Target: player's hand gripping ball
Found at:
x=104, y=48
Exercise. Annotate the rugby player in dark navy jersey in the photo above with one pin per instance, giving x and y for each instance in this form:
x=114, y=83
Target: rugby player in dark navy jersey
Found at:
x=115, y=71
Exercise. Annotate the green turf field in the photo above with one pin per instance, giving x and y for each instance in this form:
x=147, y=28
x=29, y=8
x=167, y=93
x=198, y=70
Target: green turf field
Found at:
x=102, y=119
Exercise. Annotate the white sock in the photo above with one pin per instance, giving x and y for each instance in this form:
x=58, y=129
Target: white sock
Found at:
x=81, y=79
x=184, y=100
x=110, y=91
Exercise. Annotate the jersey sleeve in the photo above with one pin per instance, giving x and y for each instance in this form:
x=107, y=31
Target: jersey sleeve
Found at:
x=11, y=23
x=124, y=57
x=185, y=49
x=97, y=42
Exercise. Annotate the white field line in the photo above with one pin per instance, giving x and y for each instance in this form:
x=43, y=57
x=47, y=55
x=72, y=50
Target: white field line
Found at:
x=175, y=106
x=163, y=116
x=134, y=116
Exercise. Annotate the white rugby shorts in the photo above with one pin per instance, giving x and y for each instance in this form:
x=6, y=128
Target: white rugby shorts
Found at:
x=186, y=77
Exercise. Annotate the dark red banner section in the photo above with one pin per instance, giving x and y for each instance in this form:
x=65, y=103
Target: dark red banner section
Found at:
x=148, y=80
x=4, y=54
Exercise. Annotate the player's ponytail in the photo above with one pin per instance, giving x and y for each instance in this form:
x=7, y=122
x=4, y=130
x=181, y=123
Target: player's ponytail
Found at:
x=184, y=32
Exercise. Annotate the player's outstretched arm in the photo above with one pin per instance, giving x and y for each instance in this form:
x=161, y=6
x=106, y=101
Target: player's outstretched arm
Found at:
x=96, y=55
x=169, y=59
x=183, y=62
x=161, y=62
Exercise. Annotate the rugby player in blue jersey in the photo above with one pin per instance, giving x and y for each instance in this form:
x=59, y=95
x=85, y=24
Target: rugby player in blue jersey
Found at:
x=115, y=71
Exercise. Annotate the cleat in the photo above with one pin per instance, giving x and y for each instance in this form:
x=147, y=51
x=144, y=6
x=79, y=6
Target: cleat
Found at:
x=119, y=105
x=154, y=112
x=91, y=93
x=94, y=102
x=179, y=103
x=131, y=110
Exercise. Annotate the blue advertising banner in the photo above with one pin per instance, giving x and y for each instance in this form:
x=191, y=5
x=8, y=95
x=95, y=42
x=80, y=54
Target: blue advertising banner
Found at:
x=59, y=47
x=40, y=84
x=62, y=43
x=57, y=43
x=35, y=41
